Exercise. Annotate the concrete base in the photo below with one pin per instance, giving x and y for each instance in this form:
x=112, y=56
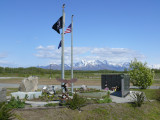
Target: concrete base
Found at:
x=39, y=104
x=31, y=95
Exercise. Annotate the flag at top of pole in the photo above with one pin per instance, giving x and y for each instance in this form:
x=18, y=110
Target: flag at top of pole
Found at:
x=58, y=25
x=68, y=30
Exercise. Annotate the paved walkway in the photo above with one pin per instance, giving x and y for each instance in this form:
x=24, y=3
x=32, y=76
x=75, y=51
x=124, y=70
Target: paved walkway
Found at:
x=38, y=104
x=9, y=77
x=59, y=86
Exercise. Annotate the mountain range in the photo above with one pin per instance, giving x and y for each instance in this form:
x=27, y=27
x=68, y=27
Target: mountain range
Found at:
x=90, y=65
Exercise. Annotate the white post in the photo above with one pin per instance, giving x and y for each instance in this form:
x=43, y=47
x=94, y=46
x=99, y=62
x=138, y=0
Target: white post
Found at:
x=62, y=57
x=72, y=51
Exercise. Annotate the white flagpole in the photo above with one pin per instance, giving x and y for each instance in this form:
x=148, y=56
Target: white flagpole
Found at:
x=72, y=51
x=62, y=57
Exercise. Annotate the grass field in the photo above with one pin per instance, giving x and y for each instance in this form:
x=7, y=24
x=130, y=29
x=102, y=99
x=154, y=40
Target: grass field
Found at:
x=83, y=78
x=111, y=111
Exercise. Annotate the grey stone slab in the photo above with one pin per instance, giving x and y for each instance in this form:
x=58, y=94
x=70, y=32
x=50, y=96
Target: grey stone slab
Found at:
x=29, y=84
x=2, y=94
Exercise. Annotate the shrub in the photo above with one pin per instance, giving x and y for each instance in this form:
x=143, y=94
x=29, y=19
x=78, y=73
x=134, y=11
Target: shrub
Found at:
x=15, y=103
x=140, y=74
x=5, y=112
x=76, y=103
x=138, y=98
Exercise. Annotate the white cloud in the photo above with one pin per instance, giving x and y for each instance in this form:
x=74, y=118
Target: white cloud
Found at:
x=5, y=63
x=51, y=47
x=3, y=55
x=113, y=55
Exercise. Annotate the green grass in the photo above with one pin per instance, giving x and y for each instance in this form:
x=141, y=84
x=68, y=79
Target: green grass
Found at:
x=156, y=82
x=112, y=111
x=148, y=111
x=157, y=76
x=51, y=105
x=10, y=90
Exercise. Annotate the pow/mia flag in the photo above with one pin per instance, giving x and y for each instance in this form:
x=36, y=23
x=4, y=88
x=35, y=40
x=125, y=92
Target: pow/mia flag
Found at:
x=59, y=44
x=58, y=24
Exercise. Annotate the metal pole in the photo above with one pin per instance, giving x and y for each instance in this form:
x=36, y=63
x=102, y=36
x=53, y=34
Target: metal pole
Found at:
x=62, y=57
x=72, y=51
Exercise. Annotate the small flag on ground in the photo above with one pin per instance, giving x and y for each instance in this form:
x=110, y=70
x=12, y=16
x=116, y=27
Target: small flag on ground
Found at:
x=58, y=25
x=59, y=44
x=68, y=30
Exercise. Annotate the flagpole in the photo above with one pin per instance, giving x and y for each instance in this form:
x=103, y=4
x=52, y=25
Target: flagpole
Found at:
x=72, y=51
x=62, y=57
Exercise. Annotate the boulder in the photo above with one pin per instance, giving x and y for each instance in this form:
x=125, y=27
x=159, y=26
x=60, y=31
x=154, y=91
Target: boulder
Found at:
x=2, y=94
x=29, y=84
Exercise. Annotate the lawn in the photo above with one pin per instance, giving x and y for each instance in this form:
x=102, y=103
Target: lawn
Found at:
x=111, y=111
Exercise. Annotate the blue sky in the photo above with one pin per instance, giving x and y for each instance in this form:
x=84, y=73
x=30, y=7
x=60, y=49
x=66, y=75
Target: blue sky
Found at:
x=114, y=30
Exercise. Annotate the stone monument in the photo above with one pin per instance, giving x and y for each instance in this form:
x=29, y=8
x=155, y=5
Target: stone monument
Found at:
x=29, y=84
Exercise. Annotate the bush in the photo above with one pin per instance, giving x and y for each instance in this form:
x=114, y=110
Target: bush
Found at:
x=138, y=98
x=15, y=103
x=5, y=112
x=140, y=74
x=76, y=103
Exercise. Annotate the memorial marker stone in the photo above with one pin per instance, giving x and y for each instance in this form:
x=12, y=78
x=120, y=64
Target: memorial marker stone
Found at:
x=119, y=83
x=29, y=84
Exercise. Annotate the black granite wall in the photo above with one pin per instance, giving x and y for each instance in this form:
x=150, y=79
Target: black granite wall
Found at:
x=119, y=81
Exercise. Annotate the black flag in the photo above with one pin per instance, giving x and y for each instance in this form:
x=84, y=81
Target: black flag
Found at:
x=58, y=25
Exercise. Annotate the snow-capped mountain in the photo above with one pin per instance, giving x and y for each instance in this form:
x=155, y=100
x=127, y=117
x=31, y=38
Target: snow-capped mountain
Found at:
x=91, y=65
x=155, y=66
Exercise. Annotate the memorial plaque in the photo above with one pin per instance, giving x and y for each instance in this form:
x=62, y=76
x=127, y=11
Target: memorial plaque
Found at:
x=119, y=83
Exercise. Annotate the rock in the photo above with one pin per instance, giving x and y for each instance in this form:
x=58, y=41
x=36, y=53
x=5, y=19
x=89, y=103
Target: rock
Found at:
x=2, y=94
x=84, y=87
x=29, y=84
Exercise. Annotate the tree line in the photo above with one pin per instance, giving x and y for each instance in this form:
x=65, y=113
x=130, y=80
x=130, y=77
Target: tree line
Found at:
x=41, y=71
